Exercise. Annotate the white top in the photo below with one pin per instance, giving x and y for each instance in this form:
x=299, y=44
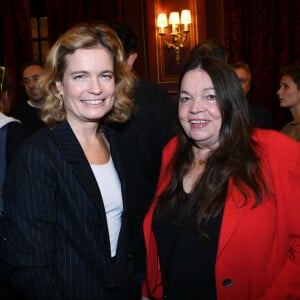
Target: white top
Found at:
x=4, y=119
x=110, y=187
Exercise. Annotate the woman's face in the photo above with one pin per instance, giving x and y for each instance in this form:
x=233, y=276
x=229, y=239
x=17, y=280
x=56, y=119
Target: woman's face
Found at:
x=198, y=109
x=288, y=93
x=88, y=85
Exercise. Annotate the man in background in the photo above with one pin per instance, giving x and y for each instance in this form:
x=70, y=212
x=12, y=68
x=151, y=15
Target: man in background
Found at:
x=259, y=115
x=142, y=140
x=29, y=112
x=209, y=48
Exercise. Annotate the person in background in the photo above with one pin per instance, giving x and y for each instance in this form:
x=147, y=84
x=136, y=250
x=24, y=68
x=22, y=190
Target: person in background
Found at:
x=142, y=139
x=259, y=115
x=12, y=132
x=29, y=112
x=289, y=96
x=209, y=48
x=11, y=135
x=66, y=210
x=224, y=223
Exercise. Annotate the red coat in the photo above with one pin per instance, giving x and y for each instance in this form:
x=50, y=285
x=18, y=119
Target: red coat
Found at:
x=259, y=249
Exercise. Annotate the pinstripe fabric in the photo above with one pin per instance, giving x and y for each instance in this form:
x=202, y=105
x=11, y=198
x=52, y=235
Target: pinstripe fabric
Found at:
x=57, y=233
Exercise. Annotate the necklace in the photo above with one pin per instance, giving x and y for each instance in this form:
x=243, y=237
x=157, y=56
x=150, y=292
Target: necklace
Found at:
x=202, y=162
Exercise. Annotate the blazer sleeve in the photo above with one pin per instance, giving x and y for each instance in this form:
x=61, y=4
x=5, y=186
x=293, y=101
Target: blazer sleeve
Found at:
x=286, y=177
x=29, y=218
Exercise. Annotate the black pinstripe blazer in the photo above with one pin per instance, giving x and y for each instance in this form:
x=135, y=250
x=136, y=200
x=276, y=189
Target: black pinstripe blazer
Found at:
x=57, y=234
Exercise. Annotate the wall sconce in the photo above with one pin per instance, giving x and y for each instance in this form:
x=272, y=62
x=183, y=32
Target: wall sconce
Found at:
x=178, y=35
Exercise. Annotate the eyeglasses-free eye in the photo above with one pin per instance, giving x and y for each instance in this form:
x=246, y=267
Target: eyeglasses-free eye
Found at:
x=244, y=80
x=27, y=80
x=2, y=70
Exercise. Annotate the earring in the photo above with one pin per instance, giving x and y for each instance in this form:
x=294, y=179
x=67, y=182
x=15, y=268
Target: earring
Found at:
x=60, y=97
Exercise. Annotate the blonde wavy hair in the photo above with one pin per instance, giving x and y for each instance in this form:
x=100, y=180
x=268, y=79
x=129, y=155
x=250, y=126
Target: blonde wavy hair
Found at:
x=86, y=35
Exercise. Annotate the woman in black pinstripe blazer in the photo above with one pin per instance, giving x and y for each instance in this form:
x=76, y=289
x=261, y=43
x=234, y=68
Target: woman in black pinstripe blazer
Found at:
x=65, y=203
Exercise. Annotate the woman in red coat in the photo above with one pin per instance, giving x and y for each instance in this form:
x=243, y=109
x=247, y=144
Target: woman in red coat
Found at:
x=225, y=220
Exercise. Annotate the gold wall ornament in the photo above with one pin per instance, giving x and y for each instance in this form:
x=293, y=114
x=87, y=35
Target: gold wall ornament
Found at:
x=179, y=34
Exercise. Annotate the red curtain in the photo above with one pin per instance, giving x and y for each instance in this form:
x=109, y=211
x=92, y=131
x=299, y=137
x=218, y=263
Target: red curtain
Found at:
x=16, y=45
x=266, y=35
x=64, y=14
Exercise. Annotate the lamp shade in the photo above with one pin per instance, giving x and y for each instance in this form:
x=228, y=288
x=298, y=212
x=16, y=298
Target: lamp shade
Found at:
x=186, y=16
x=162, y=20
x=174, y=18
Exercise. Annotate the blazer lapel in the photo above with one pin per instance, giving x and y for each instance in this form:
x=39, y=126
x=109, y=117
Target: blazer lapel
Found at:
x=232, y=216
x=73, y=154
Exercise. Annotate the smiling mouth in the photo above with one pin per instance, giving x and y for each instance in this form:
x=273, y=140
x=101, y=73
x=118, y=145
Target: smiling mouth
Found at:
x=198, y=121
x=92, y=102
